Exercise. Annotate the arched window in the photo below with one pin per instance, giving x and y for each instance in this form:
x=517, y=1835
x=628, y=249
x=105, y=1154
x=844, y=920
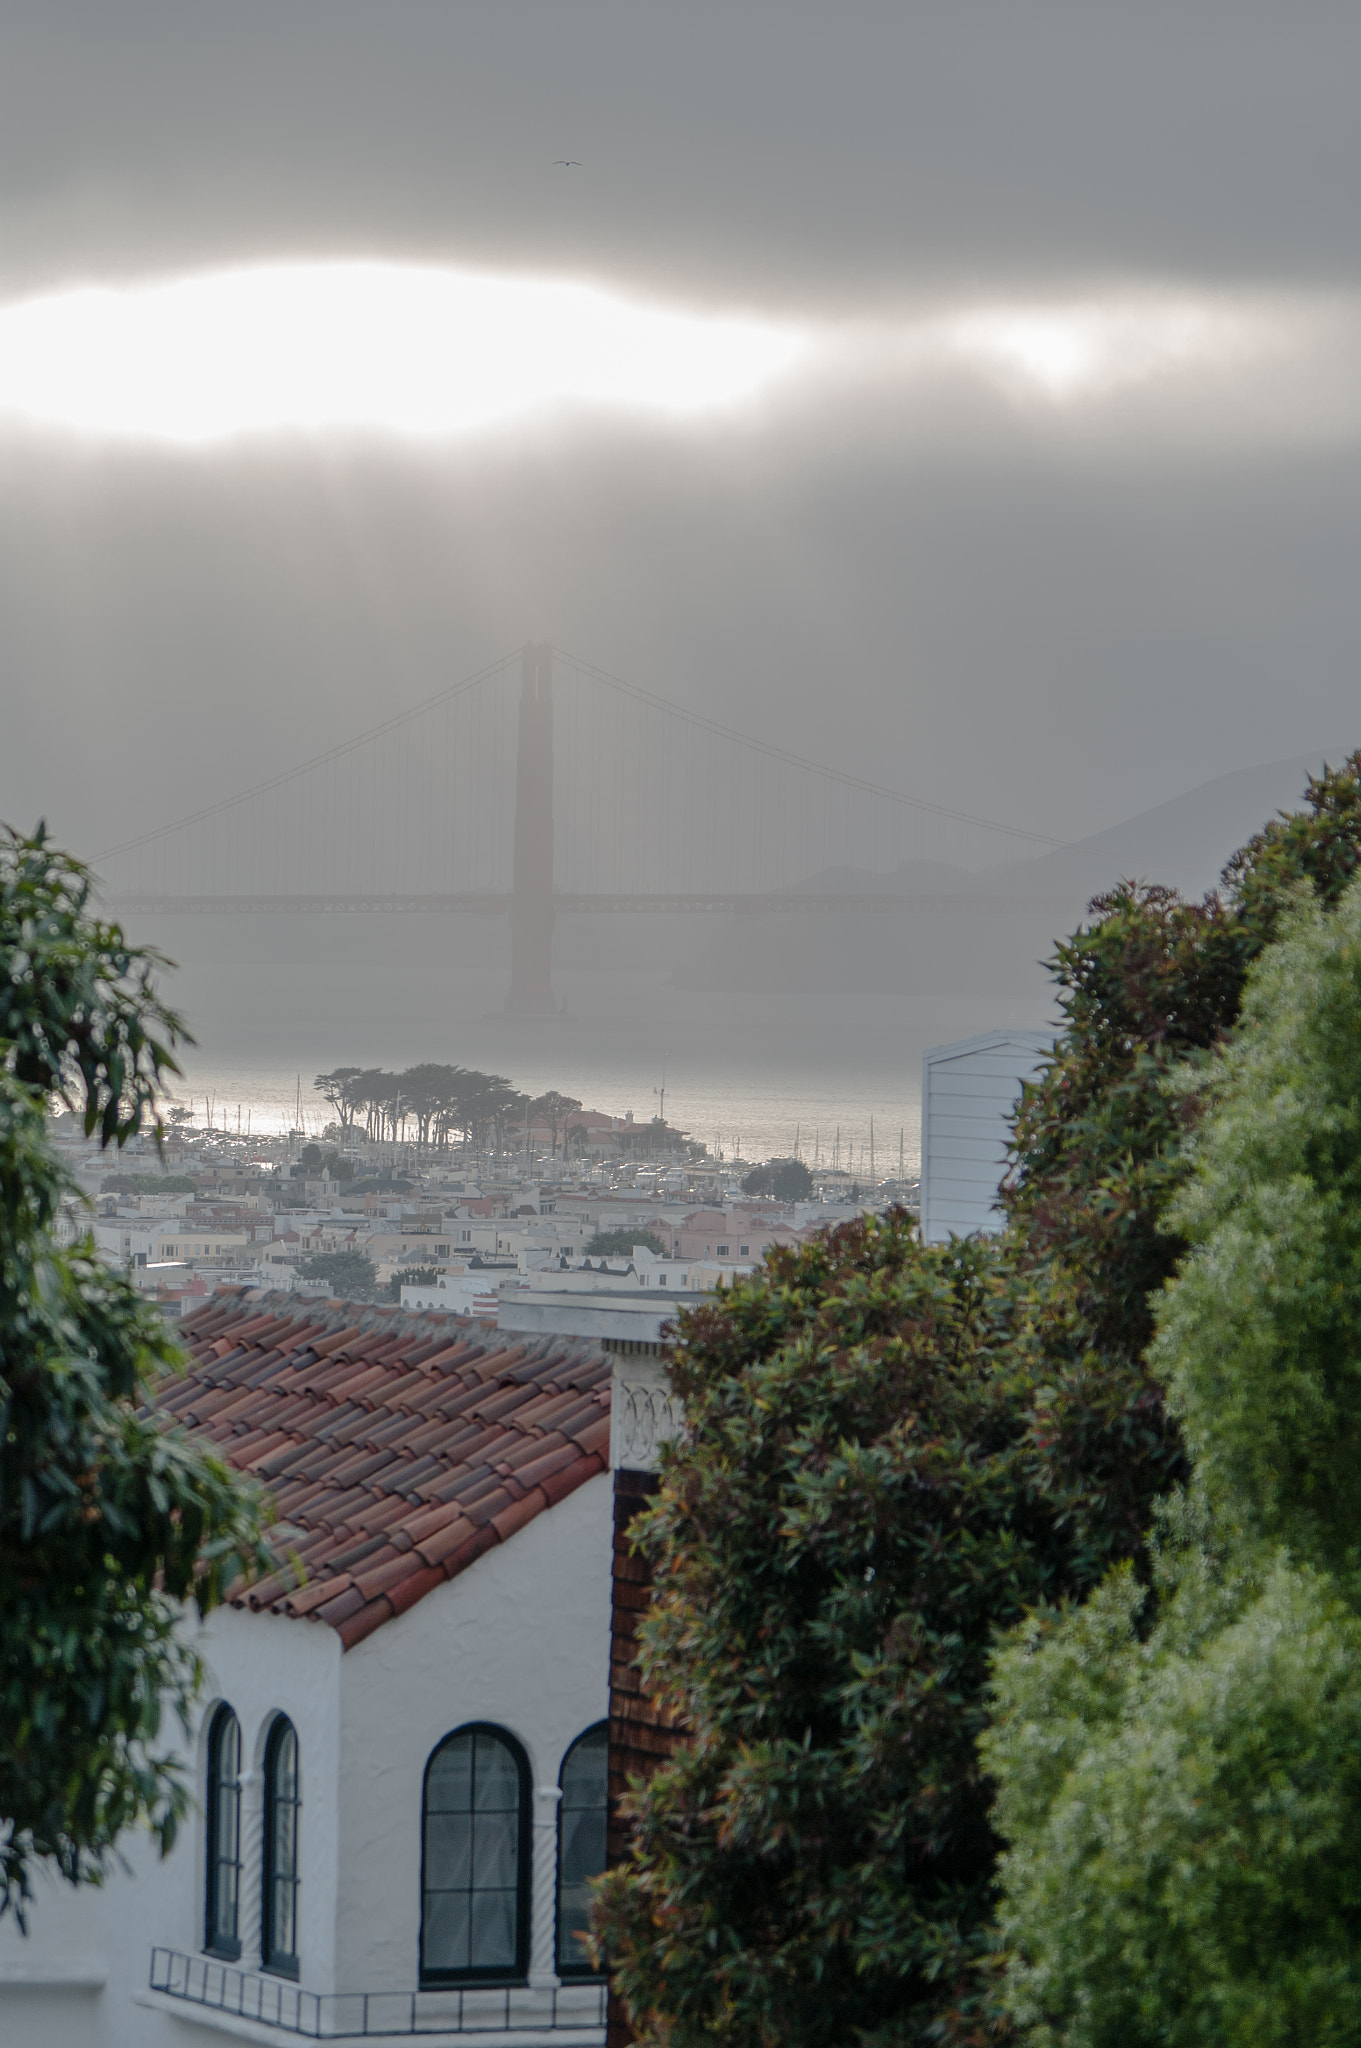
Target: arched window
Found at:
x=222, y=1915
x=475, y=1860
x=279, y=1917
x=584, y=1779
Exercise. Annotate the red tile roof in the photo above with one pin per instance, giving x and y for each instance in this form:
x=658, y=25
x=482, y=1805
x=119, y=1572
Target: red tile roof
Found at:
x=397, y=1447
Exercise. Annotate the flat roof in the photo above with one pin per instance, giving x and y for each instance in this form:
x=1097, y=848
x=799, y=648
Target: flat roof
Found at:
x=640, y=1316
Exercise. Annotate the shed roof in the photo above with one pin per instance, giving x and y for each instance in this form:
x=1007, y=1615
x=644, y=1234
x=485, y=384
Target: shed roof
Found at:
x=397, y=1447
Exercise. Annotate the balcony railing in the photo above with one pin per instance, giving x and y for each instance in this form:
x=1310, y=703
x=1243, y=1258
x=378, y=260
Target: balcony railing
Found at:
x=571, y=2009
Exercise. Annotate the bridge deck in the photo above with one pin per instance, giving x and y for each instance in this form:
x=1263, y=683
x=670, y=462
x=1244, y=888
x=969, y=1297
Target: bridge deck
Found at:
x=485, y=904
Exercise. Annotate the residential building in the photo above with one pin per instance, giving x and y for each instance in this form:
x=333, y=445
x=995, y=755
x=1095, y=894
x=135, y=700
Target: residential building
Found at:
x=458, y=1293
x=182, y=1239
x=126, y=1240
x=728, y=1236
x=399, y=1765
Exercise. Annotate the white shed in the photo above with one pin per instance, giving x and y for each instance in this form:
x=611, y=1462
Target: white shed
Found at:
x=969, y=1090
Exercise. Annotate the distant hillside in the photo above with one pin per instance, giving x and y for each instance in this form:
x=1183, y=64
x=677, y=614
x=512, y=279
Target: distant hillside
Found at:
x=1004, y=921
x=1185, y=842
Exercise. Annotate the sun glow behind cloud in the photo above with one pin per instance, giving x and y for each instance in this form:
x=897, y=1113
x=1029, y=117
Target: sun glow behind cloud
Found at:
x=404, y=349
x=1076, y=352
x=430, y=353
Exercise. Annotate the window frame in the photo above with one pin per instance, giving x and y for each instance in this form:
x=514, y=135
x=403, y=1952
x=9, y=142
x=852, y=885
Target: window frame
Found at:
x=583, y=1970
x=431, y=1979
x=228, y=1950
x=278, y=1962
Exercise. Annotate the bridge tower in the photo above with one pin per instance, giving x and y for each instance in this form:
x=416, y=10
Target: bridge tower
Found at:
x=531, y=901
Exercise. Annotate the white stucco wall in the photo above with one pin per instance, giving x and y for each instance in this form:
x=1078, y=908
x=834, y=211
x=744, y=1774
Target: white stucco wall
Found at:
x=520, y=1639
x=103, y=1938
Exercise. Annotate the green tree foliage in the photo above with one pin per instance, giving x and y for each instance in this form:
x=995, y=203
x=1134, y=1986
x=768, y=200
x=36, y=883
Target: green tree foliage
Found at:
x=618, y=1244
x=439, y=1101
x=1183, y=1803
x=553, y=1109
x=339, y=1089
x=784, y=1180
x=433, y=1095
x=108, y=1522
x=1077, y=1447
x=1185, y=1814
x=850, y=1518
x=1097, y=1157
x=313, y=1162
x=1319, y=845
x=349, y=1276
x=435, y=1103
x=411, y=1276
x=720, y=1926
x=1261, y=1339
x=1147, y=987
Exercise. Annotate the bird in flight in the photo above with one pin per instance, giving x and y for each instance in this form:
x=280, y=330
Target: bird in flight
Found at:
x=566, y=163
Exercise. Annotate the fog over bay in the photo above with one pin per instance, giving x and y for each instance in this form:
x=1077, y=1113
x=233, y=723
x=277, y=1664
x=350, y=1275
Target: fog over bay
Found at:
x=970, y=399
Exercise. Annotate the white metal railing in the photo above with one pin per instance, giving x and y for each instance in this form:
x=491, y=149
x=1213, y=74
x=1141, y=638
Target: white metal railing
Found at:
x=374, y=2015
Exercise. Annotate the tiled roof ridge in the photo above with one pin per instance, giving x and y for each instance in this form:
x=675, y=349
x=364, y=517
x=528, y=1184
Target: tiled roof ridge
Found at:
x=398, y=1447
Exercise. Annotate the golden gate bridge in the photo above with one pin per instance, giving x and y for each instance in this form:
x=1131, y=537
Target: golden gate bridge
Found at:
x=578, y=791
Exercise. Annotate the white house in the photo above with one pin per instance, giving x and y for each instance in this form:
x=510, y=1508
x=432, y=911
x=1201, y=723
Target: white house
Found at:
x=969, y=1091
x=459, y=1293
x=127, y=1240
x=400, y=1761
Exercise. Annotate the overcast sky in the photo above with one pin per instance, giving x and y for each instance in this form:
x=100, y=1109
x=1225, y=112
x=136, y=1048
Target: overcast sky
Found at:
x=1042, y=500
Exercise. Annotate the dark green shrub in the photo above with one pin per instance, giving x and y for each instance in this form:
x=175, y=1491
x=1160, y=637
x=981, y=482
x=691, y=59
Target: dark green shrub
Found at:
x=350, y=1276
x=618, y=1244
x=783, y=1180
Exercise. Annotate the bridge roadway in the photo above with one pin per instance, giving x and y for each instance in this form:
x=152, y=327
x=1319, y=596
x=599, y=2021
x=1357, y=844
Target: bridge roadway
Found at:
x=487, y=904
